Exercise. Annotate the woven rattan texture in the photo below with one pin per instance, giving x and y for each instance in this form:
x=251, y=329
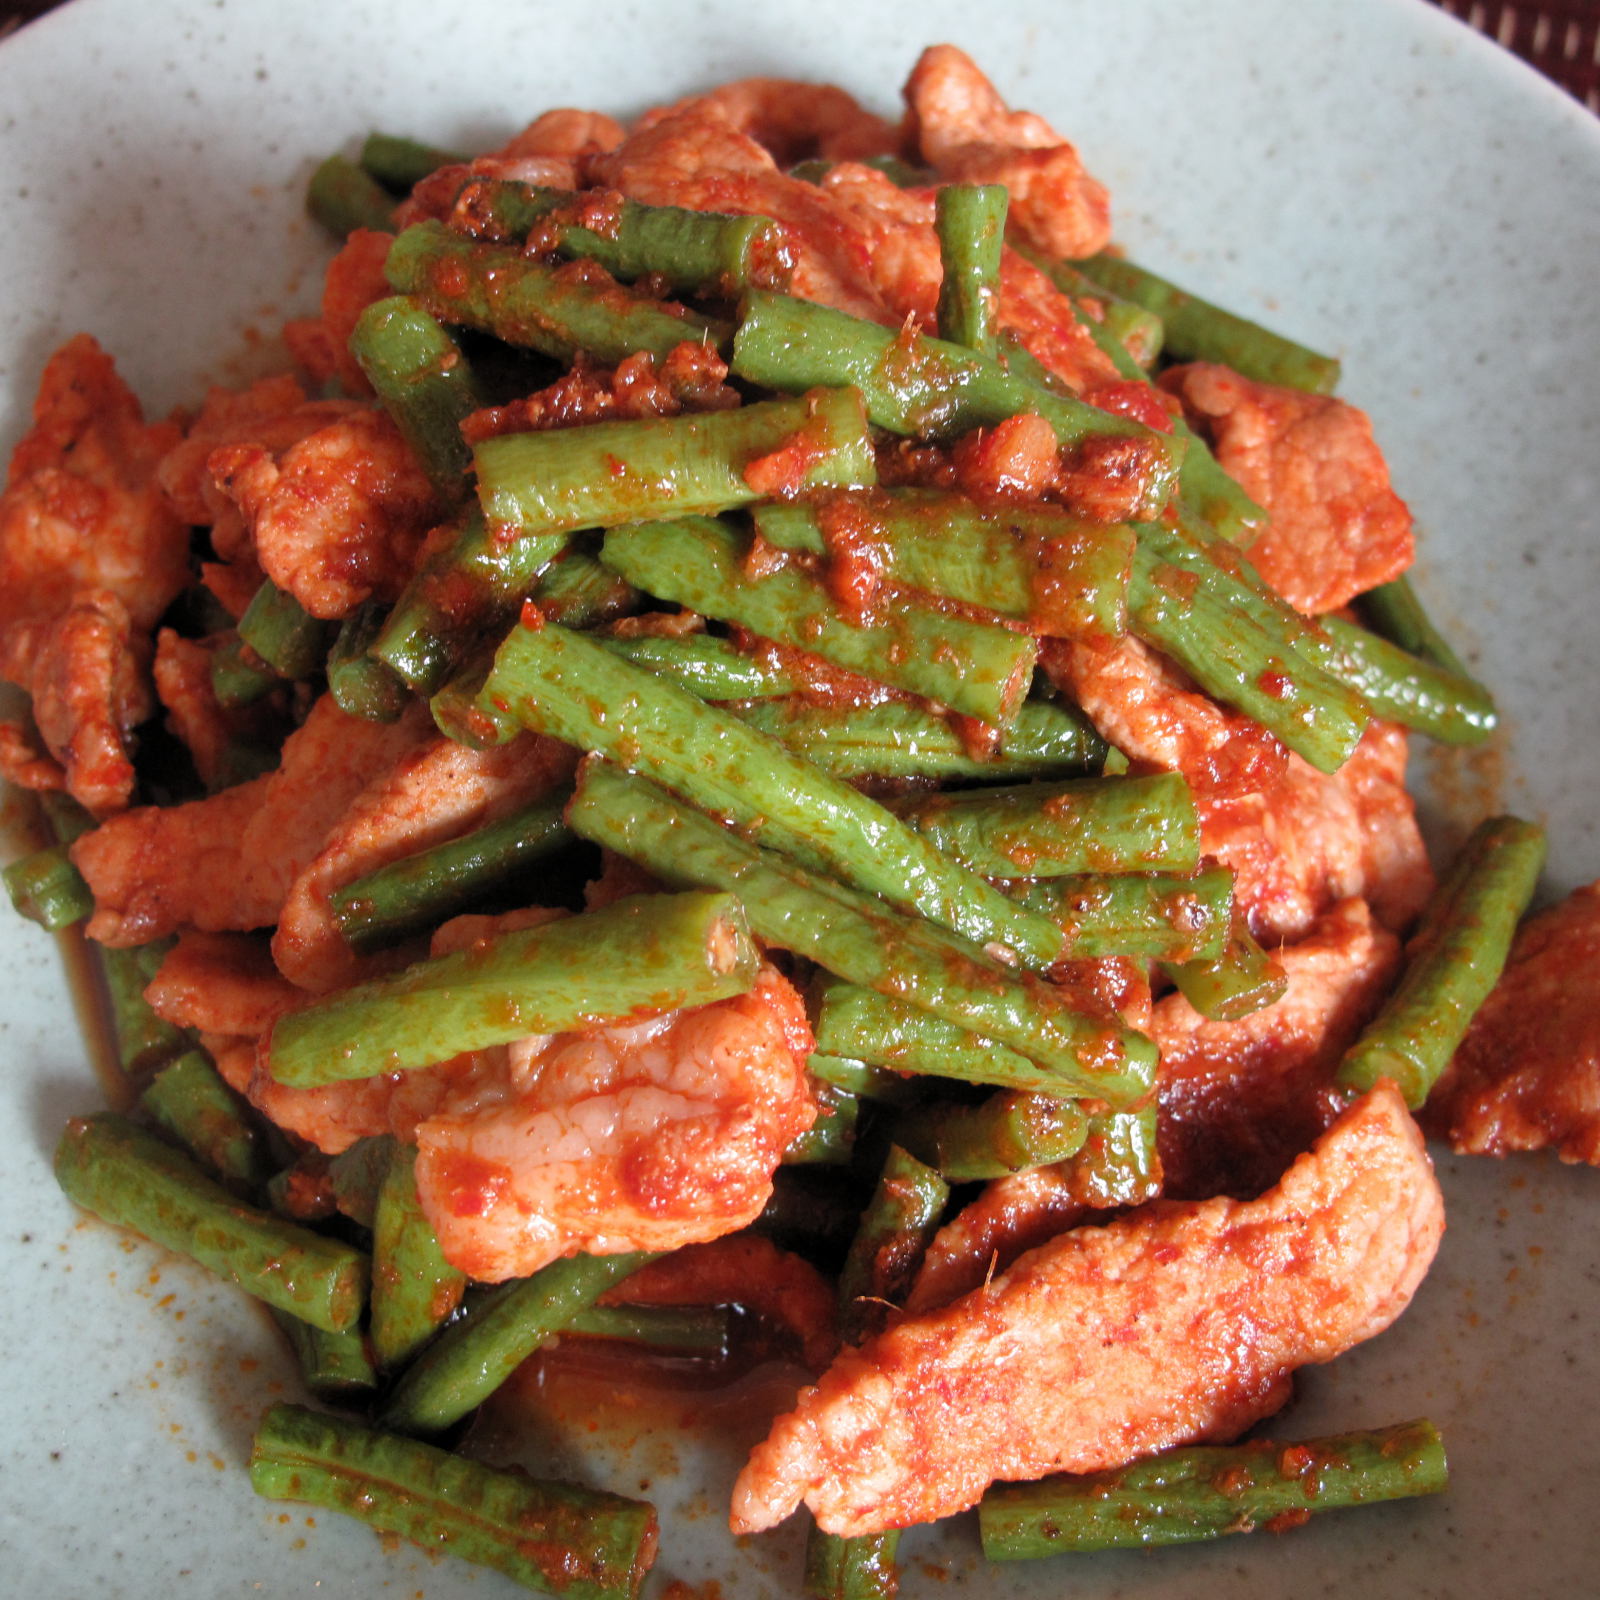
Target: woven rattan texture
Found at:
x=1560, y=37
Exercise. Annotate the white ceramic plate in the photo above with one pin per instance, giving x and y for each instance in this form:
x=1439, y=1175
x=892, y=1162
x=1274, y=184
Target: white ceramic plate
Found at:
x=1370, y=176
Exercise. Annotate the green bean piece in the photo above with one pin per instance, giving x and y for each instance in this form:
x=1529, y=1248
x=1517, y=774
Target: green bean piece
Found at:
x=129, y=1177
x=702, y=1332
x=400, y=163
x=1239, y=646
x=1206, y=1491
x=335, y=1367
x=1158, y=916
x=1241, y=979
x=424, y=382
x=639, y=956
x=578, y=592
x=478, y=1352
x=462, y=713
x=970, y=225
x=419, y=891
x=708, y=253
x=414, y=1289
x=1197, y=330
x=1009, y=1132
x=554, y=1537
x=1119, y=1164
x=710, y=667
x=342, y=198
x=1453, y=960
x=861, y=940
x=361, y=685
x=572, y=688
x=922, y=387
x=975, y=668
x=901, y=739
x=1395, y=611
x=861, y=1078
x=188, y=1098
x=283, y=633
x=561, y=479
x=865, y=1025
x=897, y=1226
x=144, y=1040
x=46, y=888
x=356, y=1176
x=1036, y=564
x=558, y=311
x=1051, y=830
x=470, y=585
x=239, y=677
x=859, y=1568
x=1138, y=333
x=1212, y=495
x=830, y=1141
x=1409, y=689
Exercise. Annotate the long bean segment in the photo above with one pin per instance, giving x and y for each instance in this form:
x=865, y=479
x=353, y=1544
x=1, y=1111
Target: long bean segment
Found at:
x=637, y=957
x=923, y=387
x=571, y=687
x=188, y=1098
x=900, y=739
x=421, y=890
x=361, y=685
x=1237, y=980
x=691, y=252
x=1455, y=959
x=1395, y=611
x=46, y=888
x=1138, y=333
x=868, y=1026
x=144, y=1040
x=557, y=311
x=969, y=222
x=283, y=633
x=1050, y=830
x=1008, y=1132
x=414, y=1289
x=554, y=1537
x=476, y=1354
x=335, y=1367
x=127, y=1176
x=975, y=668
x=710, y=667
x=1241, y=647
x=470, y=584
x=862, y=941
x=1036, y=564
x=860, y=1568
x=896, y=1228
x=342, y=197
x=1409, y=689
x=562, y=479
x=1197, y=330
x=1158, y=916
x=424, y=382
x=399, y=163
x=1206, y=1491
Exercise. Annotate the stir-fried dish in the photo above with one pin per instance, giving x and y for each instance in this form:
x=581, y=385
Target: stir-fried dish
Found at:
x=759, y=721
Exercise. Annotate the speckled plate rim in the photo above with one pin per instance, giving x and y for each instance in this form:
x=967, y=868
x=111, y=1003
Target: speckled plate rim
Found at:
x=1371, y=176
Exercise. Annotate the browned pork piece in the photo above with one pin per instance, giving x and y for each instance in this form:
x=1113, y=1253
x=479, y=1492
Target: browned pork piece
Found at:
x=1527, y=1076
x=1179, y=1322
x=91, y=554
x=1337, y=527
